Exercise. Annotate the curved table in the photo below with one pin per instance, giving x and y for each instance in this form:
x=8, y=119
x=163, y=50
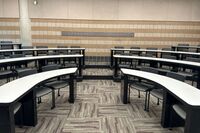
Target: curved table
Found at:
x=154, y=61
x=22, y=90
x=34, y=50
x=175, y=92
x=177, y=53
x=41, y=60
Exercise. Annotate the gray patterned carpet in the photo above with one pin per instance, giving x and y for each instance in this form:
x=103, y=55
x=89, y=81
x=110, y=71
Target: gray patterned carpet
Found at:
x=98, y=109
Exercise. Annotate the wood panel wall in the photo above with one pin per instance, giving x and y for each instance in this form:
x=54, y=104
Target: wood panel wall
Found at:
x=9, y=29
x=157, y=34
x=147, y=33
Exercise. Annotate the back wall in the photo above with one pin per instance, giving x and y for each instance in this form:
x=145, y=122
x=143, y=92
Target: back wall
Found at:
x=170, y=10
x=155, y=23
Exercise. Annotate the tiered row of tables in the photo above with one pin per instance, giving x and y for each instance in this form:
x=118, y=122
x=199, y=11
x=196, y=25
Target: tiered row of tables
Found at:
x=189, y=95
x=22, y=89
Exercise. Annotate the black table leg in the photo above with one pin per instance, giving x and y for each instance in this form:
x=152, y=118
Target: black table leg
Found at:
x=80, y=68
x=156, y=54
x=173, y=48
x=197, y=50
x=165, y=110
x=115, y=68
x=7, y=122
x=153, y=64
x=83, y=58
x=139, y=61
x=192, y=120
x=53, y=99
x=168, y=101
x=198, y=79
x=29, y=109
x=124, y=89
x=72, y=88
x=111, y=58
x=40, y=64
x=169, y=117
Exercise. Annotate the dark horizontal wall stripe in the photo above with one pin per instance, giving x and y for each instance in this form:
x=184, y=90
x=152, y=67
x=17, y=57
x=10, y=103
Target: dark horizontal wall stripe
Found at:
x=98, y=34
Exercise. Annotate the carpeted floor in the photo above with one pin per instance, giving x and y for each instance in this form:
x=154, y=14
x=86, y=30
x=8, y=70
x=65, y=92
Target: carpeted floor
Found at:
x=98, y=109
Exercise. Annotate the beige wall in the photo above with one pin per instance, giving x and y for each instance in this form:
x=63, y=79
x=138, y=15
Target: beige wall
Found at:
x=157, y=34
x=162, y=23
x=185, y=10
x=9, y=8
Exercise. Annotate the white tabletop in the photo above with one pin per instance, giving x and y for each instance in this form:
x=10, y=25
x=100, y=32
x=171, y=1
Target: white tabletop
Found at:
x=3, y=61
x=11, y=91
x=189, y=63
x=39, y=49
x=157, y=51
x=184, y=91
